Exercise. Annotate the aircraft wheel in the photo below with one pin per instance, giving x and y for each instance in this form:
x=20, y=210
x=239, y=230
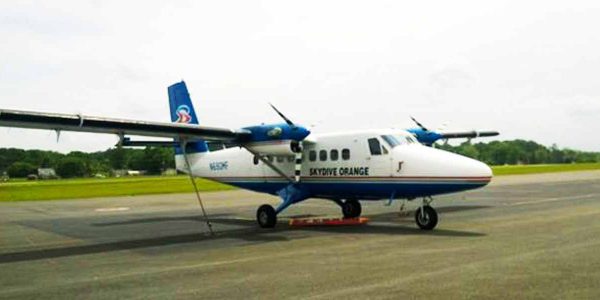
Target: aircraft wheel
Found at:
x=266, y=216
x=426, y=217
x=351, y=209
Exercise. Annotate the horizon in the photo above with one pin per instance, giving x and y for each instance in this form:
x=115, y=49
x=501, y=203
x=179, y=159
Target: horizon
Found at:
x=454, y=143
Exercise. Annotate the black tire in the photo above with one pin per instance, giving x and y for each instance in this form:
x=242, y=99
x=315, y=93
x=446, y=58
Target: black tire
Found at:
x=266, y=216
x=427, y=220
x=351, y=209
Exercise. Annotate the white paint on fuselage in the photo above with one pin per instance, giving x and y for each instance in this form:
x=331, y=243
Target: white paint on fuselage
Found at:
x=407, y=162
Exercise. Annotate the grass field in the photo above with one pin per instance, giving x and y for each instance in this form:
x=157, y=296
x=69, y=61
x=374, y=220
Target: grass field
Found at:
x=536, y=169
x=20, y=190
x=91, y=187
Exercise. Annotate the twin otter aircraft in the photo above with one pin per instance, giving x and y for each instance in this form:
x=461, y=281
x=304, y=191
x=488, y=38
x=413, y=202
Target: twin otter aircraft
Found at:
x=286, y=160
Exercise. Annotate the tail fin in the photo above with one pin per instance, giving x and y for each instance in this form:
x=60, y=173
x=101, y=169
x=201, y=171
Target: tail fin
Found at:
x=182, y=111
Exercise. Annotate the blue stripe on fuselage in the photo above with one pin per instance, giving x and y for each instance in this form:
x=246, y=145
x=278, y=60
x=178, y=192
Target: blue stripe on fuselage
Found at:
x=364, y=190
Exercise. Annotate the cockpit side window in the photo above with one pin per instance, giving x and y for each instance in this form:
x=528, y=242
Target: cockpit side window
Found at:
x=374, y=146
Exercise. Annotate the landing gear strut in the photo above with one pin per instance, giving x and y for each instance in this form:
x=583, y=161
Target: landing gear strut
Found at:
x=425, y=216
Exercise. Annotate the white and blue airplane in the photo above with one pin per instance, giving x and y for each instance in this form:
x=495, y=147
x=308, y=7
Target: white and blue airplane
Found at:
x=287, y=160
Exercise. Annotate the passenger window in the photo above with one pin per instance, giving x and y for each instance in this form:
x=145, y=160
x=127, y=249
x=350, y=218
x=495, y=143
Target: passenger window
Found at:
x=312, y=155
x=374, y=146
x=270, y=158
x=280, y=159
x=345, y=154
x=323, y=155
x=255, y=160
x=334, y=155
x=291, y=159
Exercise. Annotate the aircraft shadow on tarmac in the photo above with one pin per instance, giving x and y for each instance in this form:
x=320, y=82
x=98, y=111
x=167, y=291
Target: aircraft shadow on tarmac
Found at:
x=248, y=232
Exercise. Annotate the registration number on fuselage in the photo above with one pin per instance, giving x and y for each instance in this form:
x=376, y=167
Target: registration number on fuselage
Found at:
x=341, y=171
x=219, y=165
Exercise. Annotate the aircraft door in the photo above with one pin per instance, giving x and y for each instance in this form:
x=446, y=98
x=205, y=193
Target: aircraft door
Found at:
x=380, y=158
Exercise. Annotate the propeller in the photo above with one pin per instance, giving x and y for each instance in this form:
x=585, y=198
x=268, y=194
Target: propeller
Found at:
x=288, y=121
x=419, y=124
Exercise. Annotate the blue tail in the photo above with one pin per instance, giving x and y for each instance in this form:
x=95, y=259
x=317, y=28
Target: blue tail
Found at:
x=182, y=111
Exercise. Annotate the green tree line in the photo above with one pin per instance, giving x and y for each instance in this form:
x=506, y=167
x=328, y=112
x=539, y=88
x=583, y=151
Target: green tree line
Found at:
x=20, y=163
x=154, y=160
x=521, y=152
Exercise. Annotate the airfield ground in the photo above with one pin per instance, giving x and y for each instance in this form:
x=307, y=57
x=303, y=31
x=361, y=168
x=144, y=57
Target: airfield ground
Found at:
x=528, y=236
x=22, y=190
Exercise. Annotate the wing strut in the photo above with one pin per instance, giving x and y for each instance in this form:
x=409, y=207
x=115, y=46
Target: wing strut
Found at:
x=189, y=167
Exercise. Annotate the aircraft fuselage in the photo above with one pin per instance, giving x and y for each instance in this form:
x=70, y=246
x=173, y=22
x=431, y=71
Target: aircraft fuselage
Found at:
x=365, y=165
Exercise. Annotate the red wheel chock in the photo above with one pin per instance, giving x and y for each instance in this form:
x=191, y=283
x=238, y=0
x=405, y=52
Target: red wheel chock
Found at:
x=327, y=222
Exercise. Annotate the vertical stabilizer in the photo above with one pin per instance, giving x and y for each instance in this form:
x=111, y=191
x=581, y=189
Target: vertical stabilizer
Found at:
x=182, y=111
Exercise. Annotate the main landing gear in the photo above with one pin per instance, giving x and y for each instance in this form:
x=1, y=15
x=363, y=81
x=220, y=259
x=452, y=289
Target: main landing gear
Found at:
x=351, y=209
x=266, y=216
x=426, y=217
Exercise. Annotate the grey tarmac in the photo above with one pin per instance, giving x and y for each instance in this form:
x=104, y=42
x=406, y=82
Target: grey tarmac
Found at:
x=529, y=236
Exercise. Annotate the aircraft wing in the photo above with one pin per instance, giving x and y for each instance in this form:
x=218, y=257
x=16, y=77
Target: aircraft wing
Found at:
x=467, y=134
x=67, y=122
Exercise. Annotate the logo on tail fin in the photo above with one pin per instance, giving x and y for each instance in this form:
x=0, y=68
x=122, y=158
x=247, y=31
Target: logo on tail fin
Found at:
x=183, y=114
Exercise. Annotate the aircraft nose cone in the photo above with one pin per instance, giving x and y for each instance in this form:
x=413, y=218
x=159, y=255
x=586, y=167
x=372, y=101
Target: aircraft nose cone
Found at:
x=482, y=170
x=487, y=171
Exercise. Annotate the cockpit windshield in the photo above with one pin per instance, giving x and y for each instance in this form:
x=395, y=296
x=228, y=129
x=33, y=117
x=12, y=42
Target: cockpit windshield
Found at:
x=397, y=140
x=391, y=140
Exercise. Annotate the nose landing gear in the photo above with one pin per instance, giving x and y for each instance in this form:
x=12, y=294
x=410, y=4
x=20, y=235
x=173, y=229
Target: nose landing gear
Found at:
x=426, y=217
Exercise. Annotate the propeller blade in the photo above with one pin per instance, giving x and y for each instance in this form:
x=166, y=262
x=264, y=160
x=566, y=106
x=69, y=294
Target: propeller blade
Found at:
x=288, y=121
x=419, y=124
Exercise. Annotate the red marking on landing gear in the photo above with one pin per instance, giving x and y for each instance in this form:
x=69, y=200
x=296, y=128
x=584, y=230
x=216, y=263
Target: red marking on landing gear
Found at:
x=328, y=222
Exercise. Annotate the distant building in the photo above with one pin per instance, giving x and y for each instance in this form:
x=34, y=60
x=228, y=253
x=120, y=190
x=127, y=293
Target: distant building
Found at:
x=121, y=173
x=170, y=172
x=46, y=173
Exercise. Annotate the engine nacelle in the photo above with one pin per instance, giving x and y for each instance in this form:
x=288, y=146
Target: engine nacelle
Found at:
x=278, y=147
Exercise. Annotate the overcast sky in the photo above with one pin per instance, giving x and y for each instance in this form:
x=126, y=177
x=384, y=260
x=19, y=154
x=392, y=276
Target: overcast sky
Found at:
x=529, y=69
